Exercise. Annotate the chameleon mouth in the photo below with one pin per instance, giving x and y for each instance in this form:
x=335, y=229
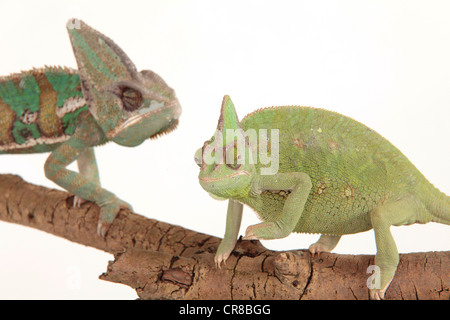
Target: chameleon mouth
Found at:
x=170, y=128
x=129, y=122
x=226, y=177
x=143, y=114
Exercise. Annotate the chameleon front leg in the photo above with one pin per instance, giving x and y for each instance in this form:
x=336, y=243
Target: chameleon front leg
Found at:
x=234, y=218
x=299, y=184
x=86, y=135
x=87, y=167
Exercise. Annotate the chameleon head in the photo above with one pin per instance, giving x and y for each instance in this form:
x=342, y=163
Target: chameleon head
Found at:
x=128, y=105
x=149, y=108
x=226, y=167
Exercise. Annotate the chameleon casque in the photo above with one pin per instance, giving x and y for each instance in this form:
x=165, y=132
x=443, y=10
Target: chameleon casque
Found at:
x=67, y=112
x=335, y=177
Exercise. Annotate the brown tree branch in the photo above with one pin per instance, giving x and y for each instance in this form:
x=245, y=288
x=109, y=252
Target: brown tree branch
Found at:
x=162, y=261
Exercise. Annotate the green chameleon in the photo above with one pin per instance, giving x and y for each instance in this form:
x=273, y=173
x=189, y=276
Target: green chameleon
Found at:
x=68, y=112
x=334, y=176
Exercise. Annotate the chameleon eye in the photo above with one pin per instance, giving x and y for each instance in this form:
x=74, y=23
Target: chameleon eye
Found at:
x=131, y=98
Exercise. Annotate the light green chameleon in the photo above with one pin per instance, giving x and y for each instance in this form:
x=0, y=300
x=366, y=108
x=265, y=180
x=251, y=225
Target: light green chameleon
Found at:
x=334, y=176
x=68, y=112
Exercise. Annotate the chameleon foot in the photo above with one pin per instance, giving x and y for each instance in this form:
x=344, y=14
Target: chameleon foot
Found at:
x=107, y=215
x=77, y=201
x=378, y=294
x=326, y=243
x=250, y=233
x=223, y=252
x=250, y=236
x=265, y=231
x=220, y=259
x=317, y=248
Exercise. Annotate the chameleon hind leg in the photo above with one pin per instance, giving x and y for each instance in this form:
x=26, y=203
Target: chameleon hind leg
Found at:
x=402, y=212
x=87, y=167
x=86, y=187
x=326, y=243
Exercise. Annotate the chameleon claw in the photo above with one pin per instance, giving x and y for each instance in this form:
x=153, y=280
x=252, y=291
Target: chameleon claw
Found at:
x=377, y=294
x=326, y=243
x=221, y=258
x=77, y=201
x=250, y=237
x=102, y=228
x=250, y=233
x=107, y=215
x=223, y=253
x=218, y=260
x=105, y=221
x=316, y=249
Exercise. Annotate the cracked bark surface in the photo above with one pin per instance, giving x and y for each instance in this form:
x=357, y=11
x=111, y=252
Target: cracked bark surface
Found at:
x=163, y=261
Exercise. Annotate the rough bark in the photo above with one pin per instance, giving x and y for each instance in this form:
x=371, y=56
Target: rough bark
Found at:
x=162, y=261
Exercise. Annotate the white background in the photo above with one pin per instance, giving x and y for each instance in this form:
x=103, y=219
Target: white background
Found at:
x=383, y=63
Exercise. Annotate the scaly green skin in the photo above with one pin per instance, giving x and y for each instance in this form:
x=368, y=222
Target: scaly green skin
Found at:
x=39, y=109
x=68, y=112
x=335, y=177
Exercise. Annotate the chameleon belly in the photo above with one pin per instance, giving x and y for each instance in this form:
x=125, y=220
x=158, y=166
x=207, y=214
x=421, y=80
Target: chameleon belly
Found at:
x=39, y=109
x=352, y=168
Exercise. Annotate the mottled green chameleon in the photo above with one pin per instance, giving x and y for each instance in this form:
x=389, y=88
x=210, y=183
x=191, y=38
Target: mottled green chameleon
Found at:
x=333, y=176
x=69, y=111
